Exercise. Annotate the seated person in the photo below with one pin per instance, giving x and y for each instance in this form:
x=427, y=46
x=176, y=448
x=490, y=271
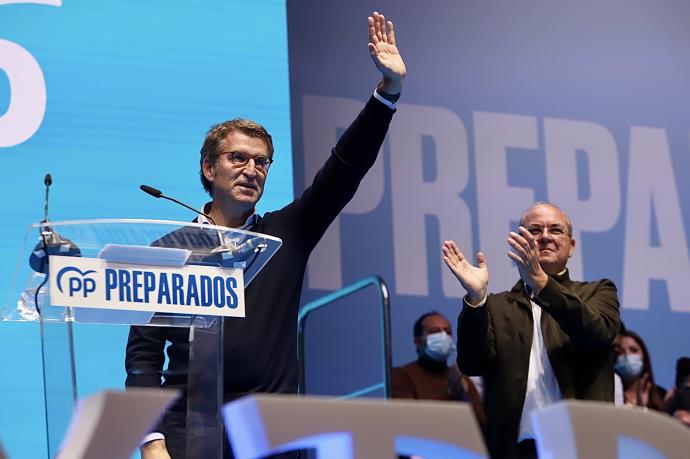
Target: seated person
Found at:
x=633, y=364
x=430, y=377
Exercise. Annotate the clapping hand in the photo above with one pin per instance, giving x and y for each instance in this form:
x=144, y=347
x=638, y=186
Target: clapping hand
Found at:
x=474, y=279
x=525, y=254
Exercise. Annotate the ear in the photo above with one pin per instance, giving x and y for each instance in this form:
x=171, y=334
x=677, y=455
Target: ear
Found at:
x=572, y=247
x=209, y=170
x=419, y=342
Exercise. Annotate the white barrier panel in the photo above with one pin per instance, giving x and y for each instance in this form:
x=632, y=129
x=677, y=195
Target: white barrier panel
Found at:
x=578, y=429
x=348, y=429
x=111, y=424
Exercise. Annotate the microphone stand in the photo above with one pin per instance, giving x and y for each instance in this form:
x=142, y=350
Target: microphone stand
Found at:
x=45, y=231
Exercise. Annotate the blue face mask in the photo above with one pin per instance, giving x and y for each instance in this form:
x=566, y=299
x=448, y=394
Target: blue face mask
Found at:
x=438, y=346
x=629, y=366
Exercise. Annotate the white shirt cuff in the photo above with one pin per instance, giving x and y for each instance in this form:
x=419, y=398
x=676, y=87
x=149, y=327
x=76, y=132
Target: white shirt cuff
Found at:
x=150, y=437
x=385, y=102
x=480, y=304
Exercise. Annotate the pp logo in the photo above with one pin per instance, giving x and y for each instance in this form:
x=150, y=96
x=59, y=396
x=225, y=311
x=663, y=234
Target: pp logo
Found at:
x=77, y=282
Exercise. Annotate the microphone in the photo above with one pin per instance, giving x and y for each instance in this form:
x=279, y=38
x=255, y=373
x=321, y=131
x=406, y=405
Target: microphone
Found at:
x=159, y=194
x=151, y=190
x=51, y=242
x=47, y=181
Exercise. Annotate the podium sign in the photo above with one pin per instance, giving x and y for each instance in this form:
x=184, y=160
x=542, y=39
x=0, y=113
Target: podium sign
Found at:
x=189, y=289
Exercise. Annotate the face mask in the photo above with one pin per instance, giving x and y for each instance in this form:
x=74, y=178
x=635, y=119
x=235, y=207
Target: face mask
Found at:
x=439, y=346
x=629, y=366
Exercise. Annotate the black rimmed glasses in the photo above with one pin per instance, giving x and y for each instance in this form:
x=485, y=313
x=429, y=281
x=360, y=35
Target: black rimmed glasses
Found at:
x=241, y=159
x=553, y=230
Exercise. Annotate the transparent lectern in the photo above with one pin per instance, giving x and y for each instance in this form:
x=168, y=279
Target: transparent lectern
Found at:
x=156, y=246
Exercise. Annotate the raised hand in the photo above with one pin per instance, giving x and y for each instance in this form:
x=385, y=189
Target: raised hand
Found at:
x=644, y=388
x=526, y=258
x=385, y=53
x=474, y=279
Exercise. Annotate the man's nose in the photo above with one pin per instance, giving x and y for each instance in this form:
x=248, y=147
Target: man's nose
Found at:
x=544, y=235
x=250, y=168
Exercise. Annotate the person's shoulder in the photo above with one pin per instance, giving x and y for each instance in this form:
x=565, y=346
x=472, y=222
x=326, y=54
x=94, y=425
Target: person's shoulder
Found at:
x=276, y=222
x=276, y=216
x=411, y=366
x=603, y=280
x=502, y=295
x=404, y=373
x=603, y=283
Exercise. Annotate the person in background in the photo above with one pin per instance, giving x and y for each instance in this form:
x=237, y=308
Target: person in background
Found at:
x=679, y=397
x=633, y=364
x=430, y=377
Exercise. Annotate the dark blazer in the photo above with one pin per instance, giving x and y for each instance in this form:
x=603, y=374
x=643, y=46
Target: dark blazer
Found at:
x=579, y=322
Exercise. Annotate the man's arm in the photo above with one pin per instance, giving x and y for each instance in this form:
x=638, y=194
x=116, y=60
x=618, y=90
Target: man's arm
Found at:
x=473, y=324
x=474, y=339
x=353, y=148
x=337, y=181
x=144, y=361
x=144, y=356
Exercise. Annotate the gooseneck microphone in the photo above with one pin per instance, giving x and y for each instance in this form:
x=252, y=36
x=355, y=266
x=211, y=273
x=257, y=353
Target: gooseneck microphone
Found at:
x=47, y=181
x=159, y=194
x=51, y=243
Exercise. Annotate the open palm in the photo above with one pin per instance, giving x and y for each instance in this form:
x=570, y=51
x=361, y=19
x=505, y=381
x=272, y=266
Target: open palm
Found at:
x=474, y=279
x=384, y=51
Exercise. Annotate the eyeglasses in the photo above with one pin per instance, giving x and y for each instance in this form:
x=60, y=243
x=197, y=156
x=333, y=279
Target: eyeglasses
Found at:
x=553, y=230
x=241, y=159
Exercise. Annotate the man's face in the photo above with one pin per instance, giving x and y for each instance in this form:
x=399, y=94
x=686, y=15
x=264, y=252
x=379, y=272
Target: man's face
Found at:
x=549, y=228
x=430, y=325
x=238, y=187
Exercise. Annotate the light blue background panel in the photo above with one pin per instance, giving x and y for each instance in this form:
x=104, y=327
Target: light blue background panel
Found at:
x=131, y=89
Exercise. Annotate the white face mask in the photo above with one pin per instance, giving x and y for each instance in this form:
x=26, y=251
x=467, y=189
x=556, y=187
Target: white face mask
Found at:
x=438, y=346
x=629, y=366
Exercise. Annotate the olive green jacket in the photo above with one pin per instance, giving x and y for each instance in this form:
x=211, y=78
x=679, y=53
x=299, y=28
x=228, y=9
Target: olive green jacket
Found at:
x=579, y=322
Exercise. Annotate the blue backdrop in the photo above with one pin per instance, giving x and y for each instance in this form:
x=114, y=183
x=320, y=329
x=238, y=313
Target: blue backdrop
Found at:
x=506, y=103
x=106, y=96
